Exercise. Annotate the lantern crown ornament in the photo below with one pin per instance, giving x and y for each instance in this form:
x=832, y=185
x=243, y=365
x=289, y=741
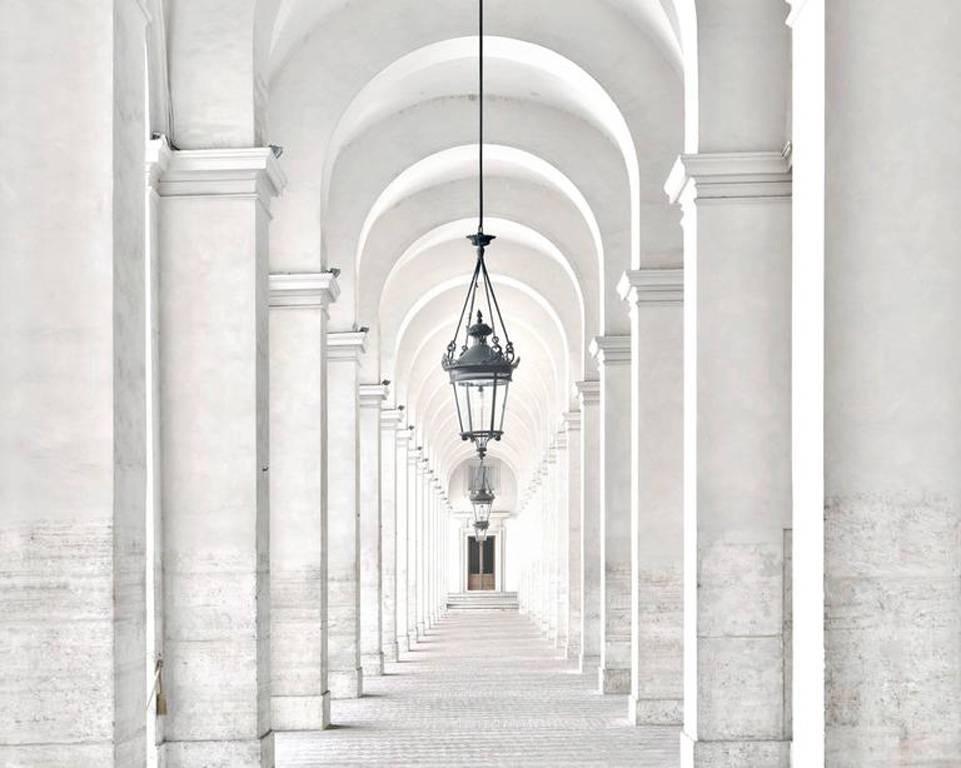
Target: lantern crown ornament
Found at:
x=481, y=373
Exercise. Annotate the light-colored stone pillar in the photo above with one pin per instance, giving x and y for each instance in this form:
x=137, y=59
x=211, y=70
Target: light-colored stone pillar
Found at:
x=892, y=378
x=391, y=421
x=551, y=540
x=420, y=515
x=403, y=511
x=737, y=505
x=655, y=299
x=413, y=482
x=589, y=395
x=572, y=436
x=372, y=397
x=562, y=527
x=344, y=349
x=214, y=400
x=613, y=357
x=300, y=699
x=72, y=389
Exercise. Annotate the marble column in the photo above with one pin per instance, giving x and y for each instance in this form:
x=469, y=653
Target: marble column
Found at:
x=300, y=699
x=613, y=357
x=737, y=463
x=892, y=378
x=403, y=512
x=72, y=385
x=391, y=422
x=214, y=400
x=344, y=349
x=655, y=300
x=589, y=396
x=413, y=483
x=572, y=436
x=372, y=397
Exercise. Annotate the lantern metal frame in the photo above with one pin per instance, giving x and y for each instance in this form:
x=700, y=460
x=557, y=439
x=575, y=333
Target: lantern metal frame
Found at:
x=481, y=494
x=481, y=369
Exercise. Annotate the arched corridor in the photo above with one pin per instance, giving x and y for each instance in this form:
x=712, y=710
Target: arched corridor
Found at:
x=244, y=523
x=482, y=688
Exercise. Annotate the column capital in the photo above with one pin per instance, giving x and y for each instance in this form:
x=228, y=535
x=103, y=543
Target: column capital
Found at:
x=610, y=350
x=403, y=435
x=346, y=345
x=588, y=391
x=664, y=285
x=720, y=176
x=372, y=395
x=250, y=172
x=302, y=289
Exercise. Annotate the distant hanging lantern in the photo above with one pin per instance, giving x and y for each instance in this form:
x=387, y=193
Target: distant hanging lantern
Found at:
x=481, y=373
x=481, y=495
x=480, y=531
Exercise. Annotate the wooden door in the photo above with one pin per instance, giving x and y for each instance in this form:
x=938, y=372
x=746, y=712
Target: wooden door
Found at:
x=480, y=565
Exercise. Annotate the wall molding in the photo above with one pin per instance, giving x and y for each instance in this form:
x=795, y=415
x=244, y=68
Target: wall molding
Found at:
x=251, y=172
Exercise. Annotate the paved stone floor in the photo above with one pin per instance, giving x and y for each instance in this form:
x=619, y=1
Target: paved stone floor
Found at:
x=483, y=689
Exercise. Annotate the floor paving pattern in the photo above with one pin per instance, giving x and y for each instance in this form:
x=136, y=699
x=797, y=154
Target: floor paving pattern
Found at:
x=484, y=688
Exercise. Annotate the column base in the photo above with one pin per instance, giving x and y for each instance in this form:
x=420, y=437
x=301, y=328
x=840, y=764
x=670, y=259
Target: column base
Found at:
x=587, y=664
x=655, y=711
x=372, y=664
x=403, y=643
x=613, y=680
x=727, y=754
x=421, y=631
x=391, y=652
x=300, y=713
x=346, y=683
x=232, y=753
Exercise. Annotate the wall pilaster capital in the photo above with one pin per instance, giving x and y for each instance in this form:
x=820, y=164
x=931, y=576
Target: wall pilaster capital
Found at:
x=662, y=285
x=251, y=172
x=797, y=8
x=588, y=391
x=346, y=345
x=610, y=350
x=302, y=289
x=156, y=160
x=572, y=421
x=372, y=395
x=716, y=177
x=392, y=420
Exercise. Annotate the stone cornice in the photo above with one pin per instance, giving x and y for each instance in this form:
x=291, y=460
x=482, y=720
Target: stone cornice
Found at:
x=346, y=345
x=303, y=289
x=588, y=391
x=724, y=176
x=656, y=285
x=610, y=350
x=241, y=172
x=372, y=395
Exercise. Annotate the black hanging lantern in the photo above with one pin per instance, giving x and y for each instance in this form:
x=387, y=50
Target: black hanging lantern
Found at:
x=481, y=373
x=481, y=495
x=480, y=531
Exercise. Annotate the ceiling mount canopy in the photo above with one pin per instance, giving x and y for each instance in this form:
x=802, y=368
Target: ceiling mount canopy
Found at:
x=481, y=373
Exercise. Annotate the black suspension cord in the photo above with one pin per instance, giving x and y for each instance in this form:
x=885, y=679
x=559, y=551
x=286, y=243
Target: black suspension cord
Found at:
x=480, y=112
